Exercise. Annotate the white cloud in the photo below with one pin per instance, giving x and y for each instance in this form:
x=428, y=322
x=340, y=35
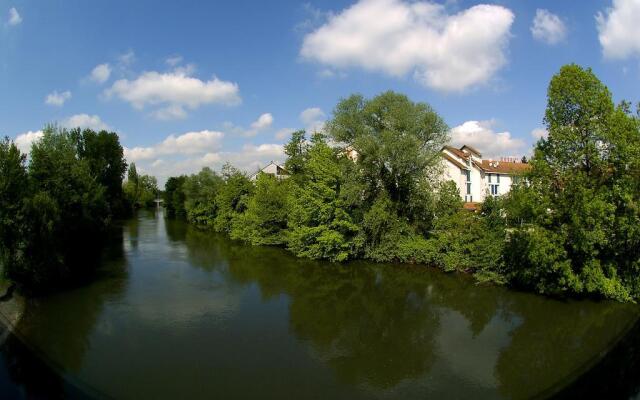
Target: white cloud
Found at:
x=284, y=133
x=85, y=121
x=619, y=29
x=539, y=133
x=261, y=124
x=176, y=90
x=101, y=73
x=127, y=58
x=491, y=144
x=548, y=27
x=169, y=113
x=57, y=99
x=173, y=61
x=313, y=119
x=444, y=52
x=186, y=144
x=14, y=17
x=25, y=140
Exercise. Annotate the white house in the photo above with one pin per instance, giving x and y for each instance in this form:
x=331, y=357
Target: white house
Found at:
x=273, y=169
x=476, y=177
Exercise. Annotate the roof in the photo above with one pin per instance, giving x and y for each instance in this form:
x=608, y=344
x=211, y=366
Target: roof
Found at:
x=504, y=167
x=457, y=152
x=454, y=161
x=471, y=149
x=471, y=206
x=280, y=167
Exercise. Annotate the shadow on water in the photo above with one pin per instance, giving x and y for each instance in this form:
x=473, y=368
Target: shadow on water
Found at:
x=26, y=371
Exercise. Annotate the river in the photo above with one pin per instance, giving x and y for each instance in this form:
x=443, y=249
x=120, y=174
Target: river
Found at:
x=174, y=312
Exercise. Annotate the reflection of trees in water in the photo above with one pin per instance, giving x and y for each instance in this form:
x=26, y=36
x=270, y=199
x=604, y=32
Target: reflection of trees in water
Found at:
x=63, y=336
x=378, y=325
x=556, y=341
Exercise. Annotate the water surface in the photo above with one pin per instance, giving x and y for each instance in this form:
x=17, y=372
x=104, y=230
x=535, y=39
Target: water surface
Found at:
x=179, y=313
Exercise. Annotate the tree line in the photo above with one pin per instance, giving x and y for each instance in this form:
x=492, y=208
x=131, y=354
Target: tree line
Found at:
x=57, y=205
x=570, y=227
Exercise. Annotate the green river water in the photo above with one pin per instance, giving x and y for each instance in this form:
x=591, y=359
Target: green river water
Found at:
x=178, y=313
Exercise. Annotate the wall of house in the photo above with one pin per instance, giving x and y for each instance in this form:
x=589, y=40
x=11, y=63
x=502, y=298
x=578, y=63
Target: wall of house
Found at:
x=480, y=188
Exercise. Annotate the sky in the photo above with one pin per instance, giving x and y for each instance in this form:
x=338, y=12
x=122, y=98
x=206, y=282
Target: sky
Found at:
x=190, y=84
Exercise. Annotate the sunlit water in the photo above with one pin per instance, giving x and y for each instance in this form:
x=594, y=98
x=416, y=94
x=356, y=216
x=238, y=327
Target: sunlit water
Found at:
x=179, y=313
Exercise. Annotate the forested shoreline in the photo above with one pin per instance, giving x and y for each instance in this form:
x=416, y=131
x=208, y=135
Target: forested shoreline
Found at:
x=571, y=227
x=57, y=205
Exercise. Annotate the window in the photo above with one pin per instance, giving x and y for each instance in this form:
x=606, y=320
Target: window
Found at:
x=468, y=187
x=494, y=189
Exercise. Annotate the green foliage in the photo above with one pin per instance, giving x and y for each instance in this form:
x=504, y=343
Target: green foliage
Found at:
x=55, y=212
x=575, y=225
x=233, y=198
x=265, y=219
x=398, y=144
x=570, y=226
x=319, y=221
x=140, y=190
x=174, y=197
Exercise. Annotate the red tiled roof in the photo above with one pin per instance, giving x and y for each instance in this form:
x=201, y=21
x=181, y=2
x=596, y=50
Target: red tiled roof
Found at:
x=473, y=150
x=457, y=152
x=454, y=161
x=505, y=167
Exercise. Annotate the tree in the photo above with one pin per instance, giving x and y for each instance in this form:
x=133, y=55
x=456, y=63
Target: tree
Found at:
x=398, y=143
x=200, y=192
x=233, y=197
x=582, y=188
x=105, y=157
x=14, y=189
x=174, y=196
x=296, y=151
x=265, y=220
x=320, y=224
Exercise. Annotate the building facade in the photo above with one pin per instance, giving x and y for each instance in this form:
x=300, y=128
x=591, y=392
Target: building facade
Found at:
x=272, y=169
x=478, y=178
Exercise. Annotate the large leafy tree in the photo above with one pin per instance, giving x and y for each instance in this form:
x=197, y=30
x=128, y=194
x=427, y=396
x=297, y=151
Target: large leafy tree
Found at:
x=105, y=158
x=398, y=143
x=320, y=222
x=585, y=175
x=13, y=192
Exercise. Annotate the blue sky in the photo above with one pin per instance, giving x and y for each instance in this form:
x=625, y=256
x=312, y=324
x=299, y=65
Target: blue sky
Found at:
x=191, y=83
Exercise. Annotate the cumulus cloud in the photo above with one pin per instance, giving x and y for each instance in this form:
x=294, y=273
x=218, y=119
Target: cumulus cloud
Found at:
x=313, y=119
x=57, y=99
x=447, y=52
x=175, y=90
x=127, y=58
x=284, y=133
x=481, y=135
x=101, y=73
x=173, y=61
x=261, y=124
x=619, y=30
x=539, y=133
x=548, y=27
x=14, y=17
x=189, y=143
x=85, y=121
x=25, y=140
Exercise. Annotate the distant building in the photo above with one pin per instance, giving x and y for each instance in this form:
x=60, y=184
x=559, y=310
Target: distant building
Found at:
x=272, y=169
x=476, y=177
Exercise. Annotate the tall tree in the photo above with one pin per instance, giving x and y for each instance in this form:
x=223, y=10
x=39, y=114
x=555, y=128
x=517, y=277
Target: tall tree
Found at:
x=398, y=143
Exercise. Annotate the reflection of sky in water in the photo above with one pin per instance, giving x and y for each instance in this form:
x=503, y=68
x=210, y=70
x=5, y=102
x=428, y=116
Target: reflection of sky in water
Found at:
x=471, y=359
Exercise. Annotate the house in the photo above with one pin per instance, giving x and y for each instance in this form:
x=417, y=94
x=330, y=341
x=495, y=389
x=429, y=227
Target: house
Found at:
x=273, y=169
x=476, y=177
